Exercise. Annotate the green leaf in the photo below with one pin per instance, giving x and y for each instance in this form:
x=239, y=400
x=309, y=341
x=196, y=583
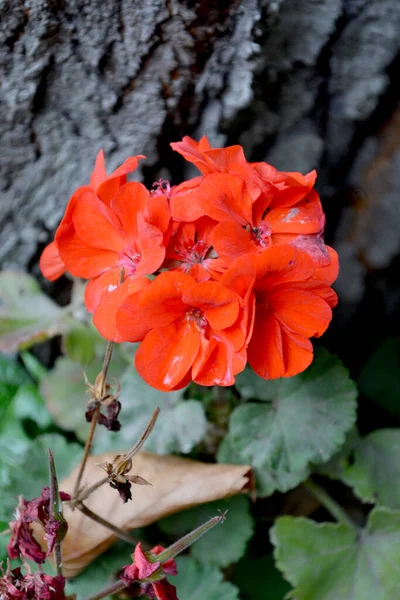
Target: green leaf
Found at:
x=3, y=541
x=102, y=572
x=34, y=367
x=79, y=344
x=65, y=391
x=12, y=373
x=181, y=425
x=375, y=472
x=29, y=404
x=201, y=582
x=258, y=579
x=266, y=482
x=305, y=423
x=379, y=379
x=326, y=561
x=251, y=386
x=339, y=463
x=228, y=540
x=29, y=472
x=27, y=315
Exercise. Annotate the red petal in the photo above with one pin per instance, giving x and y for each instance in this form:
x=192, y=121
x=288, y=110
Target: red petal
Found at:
x=184, y=201
x=298, y=353
x=150, y=245
x=225, y=198
x=162, y=302
x=97, y=225
x=219, y=305
x=216, y=367
x=329, y=273
x=305, y=217
x=280, y=264
x=129, y=200
x=191, y=151
x=109, y=301
x=99, y=172
x=231, y=241
x=145, y=567
x=82, y=260
x=164, y=590
x=51, y=263
x=166, y=354
x=301, y=311
x=220, y=159
x=265, y=351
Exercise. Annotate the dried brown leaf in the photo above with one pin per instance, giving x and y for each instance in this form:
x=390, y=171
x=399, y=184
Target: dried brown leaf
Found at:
x=177, y=484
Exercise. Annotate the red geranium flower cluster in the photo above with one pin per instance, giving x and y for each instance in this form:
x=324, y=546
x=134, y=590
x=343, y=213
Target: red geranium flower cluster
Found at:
x=227, y=268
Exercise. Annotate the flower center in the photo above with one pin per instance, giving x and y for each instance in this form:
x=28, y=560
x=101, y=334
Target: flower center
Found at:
x=129, y=260
x=261, y=235
x=193, y=255
x=196, y=315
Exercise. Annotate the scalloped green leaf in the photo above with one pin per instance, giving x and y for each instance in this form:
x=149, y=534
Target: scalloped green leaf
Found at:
x=304, y=423
x=266, y=481
x=182, y=424
x=326, y=561
x=199, y=582
x=27, y=315
x=29, y=470
x=375, y=471
x=228, y=540
x=251, y=386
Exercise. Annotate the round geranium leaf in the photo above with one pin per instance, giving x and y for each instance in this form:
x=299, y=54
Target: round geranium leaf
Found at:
x=199, y=582
x=304, y=424
x=375, y=471
x=326, y=561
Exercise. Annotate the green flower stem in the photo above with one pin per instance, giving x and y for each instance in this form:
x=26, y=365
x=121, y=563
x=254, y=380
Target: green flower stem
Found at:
x=186, y=541
x=95, y=517
x=330, y=504
x=86, y=451
x=109, y=590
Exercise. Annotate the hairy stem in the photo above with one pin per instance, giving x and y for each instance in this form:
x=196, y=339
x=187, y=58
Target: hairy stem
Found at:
x=95, y=418
x=95, y=517
x=86, y=451
x=330, y=504
x=109, y=590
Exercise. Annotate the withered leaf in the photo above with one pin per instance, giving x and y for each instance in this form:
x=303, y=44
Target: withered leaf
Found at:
x=176, y=484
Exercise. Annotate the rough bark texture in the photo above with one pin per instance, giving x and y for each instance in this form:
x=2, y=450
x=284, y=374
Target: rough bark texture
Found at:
x=302, y=83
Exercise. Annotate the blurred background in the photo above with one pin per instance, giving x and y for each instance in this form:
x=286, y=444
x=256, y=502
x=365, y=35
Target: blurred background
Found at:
x=302, y=84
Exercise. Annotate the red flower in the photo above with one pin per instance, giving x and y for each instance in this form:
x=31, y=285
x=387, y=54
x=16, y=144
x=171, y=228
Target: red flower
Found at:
x=96, y=241
x=105, y=186
x=14, y=585
x=22, y=542
x=193, y=331
x=190, y=250
x=151, y=575
x=37, y=510
x=290, y=307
